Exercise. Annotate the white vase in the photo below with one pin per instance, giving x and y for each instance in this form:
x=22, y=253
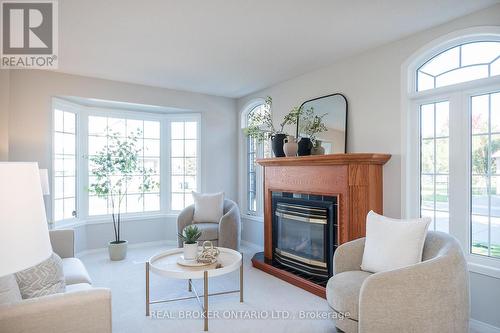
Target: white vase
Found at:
x=290, y=146
x=117, y=251
x=190, y=251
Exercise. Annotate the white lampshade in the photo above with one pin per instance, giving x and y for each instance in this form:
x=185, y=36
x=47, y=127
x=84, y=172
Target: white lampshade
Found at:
x=44, y=179
x=24, y=235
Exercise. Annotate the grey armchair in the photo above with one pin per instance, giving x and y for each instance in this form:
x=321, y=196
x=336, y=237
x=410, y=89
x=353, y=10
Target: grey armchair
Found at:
x=431, y=296
x=226, y=233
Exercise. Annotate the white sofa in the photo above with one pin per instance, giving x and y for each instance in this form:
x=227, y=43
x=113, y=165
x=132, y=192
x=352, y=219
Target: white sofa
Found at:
x=80, y=309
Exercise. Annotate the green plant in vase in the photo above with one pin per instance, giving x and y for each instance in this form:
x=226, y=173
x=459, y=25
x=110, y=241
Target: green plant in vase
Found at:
x=190, y=236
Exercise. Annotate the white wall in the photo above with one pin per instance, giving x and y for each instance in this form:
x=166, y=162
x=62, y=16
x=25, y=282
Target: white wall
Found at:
x=4, y=114
x=30, y=136
x=371, y=83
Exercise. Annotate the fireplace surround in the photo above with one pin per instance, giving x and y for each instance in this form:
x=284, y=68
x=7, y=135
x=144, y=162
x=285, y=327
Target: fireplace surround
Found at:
x=352, y=181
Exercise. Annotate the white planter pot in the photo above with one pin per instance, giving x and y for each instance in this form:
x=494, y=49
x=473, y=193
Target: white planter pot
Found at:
x=117, y=251
x=190, y=251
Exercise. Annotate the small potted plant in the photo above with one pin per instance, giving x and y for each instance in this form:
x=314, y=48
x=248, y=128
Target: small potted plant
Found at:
x=261, y=127
x=190, y=237
x=310, y=125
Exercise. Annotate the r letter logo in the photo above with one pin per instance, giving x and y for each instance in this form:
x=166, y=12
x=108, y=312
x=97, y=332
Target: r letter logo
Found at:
x=29, y=34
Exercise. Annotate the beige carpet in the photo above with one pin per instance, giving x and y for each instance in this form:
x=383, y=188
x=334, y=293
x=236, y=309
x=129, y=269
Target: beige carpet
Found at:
x=271, y=305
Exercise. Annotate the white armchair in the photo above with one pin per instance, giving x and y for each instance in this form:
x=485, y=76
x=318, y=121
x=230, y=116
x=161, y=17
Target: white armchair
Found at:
x=431, y=296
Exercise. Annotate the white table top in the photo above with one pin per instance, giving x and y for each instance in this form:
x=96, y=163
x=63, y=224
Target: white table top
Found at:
x=165, y=264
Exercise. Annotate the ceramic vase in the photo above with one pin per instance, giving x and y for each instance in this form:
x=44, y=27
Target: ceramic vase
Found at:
x=317, y=149
x=277, y=144
x=305, y=146
x=290, y=146
x=190, y=251
x=117, y=251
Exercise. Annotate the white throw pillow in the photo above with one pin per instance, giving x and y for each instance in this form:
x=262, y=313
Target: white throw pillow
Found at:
x=46, y=278
x=9, y=290
x=391, y=243
x=208, y=207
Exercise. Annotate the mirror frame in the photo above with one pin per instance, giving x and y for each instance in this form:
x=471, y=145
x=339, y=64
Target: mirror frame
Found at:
x=346, y=114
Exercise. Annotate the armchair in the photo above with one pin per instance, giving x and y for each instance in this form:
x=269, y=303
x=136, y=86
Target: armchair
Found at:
x=431, y=296
x=226, y=233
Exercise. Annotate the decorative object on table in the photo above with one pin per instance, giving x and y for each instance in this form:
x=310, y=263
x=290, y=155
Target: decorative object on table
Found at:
x=226, y=232
x=23, y=225
x=317, y=149
x=190, y=237
x=290, y=146
x=261, y=127
x=209, y=253
x=334, y=108
x=113, y=168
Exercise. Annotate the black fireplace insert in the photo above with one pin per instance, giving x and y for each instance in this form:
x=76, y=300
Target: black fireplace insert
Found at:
x=305, y=234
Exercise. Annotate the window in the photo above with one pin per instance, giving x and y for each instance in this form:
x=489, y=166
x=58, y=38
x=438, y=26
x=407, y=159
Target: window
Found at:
x=434, y=160
x=183, y=162
x=485, y=180
x=452, y=153
x=168, y=145
x=461, y=63
x=64, y=161
x=148, y=133
x=254, y=150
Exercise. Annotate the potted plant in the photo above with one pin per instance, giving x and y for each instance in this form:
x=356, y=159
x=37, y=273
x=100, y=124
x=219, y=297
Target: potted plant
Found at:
x=261, y=127
x=310, y=125
x=190, y=237
x=113, y=168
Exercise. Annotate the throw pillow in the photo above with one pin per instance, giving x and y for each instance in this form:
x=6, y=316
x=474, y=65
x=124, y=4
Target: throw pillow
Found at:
x=46, y=278
x=391, y=243
x=208, y=207
x=9, y=290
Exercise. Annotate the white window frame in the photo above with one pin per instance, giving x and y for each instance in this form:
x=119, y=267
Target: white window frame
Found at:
x=82, y=113
x=459, y=174
x=259, y=178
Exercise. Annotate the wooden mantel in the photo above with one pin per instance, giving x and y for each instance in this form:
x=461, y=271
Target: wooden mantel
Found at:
x=355, y=179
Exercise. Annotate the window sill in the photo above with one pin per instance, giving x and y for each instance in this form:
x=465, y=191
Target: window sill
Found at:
x=107, y=219
x=253, y=218
x=484, y=266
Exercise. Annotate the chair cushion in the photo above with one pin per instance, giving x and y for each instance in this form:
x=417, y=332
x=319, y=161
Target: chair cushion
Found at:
x=209, y=231
x=392, y=243
x=46, y=278
x=208, y=207
x=78, y=287
x=75, y=272
x=342, y=292
x=9, y=290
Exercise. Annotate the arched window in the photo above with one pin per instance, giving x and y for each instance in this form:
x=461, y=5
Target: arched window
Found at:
x=253, y=172
x=453, y=157
x=465, y=62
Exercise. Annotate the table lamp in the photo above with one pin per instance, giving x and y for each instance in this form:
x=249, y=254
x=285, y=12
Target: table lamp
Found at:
x=24, y=236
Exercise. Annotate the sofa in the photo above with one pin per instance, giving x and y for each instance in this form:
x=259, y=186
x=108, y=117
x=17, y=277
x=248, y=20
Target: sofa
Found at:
x=226, y=233
x=80, y=309
x=431, y=296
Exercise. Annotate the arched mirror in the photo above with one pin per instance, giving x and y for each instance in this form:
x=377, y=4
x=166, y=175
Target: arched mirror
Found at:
x=334, y=107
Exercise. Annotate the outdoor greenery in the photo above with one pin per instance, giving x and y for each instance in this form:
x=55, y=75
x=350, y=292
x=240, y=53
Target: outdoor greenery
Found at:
x=190, y=235
x=482, y=248
x=113, y=167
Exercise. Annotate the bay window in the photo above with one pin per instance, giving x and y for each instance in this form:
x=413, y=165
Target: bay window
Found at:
x=168, y=147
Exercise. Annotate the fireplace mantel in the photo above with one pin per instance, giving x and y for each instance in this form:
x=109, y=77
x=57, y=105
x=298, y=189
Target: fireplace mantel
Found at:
x=355, y=179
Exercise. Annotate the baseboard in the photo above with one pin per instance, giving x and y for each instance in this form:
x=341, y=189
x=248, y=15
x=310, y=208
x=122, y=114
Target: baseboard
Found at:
x=130, y=246
x=482, y=327
x=252, y=246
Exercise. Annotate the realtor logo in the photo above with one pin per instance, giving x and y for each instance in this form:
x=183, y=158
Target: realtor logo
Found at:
x=29, y=34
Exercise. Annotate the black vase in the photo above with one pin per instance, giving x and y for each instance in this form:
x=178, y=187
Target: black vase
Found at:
x=305, y=146
x=277, y=144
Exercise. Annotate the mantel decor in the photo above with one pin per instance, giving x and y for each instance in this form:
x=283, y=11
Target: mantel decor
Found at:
x=352, y=183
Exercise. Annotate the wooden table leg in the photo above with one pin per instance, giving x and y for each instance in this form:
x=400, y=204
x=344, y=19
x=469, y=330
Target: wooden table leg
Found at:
x=189, y=284
x=241, y=280
x=205, y=299
x=147, y=288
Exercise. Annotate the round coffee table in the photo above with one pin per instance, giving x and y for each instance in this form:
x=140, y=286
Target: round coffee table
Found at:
x=165, y=264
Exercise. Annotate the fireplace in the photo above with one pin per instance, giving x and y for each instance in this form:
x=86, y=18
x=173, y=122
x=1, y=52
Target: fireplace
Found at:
x=305, y=234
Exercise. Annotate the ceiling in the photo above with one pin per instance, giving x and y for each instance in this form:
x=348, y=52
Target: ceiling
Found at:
x=232, y=47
